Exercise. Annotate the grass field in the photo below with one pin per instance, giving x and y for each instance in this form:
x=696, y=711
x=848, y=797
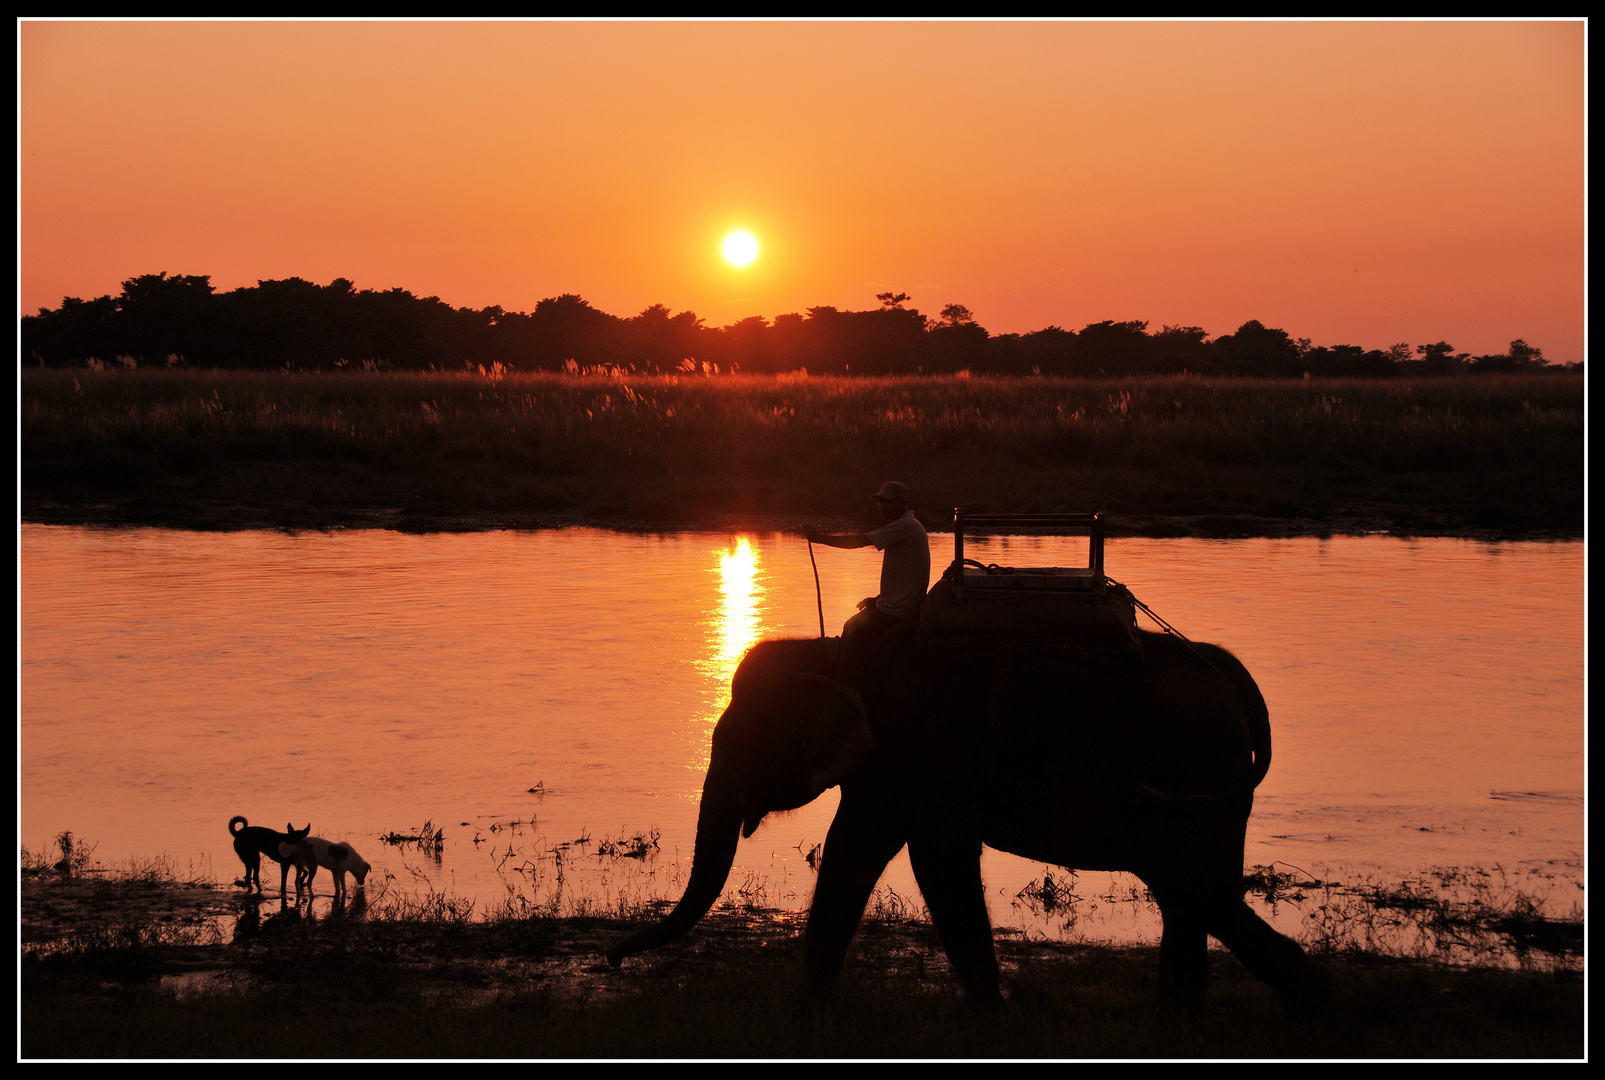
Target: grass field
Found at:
x=1497, y=456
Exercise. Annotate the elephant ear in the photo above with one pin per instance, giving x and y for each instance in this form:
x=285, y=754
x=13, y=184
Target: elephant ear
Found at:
x=815, y=733
x=842, y=740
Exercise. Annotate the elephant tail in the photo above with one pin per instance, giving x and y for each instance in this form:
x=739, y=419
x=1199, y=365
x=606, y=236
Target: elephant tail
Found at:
x=1256, y=716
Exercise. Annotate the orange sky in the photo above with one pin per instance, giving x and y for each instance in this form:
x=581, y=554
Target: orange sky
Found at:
x=1351, y=183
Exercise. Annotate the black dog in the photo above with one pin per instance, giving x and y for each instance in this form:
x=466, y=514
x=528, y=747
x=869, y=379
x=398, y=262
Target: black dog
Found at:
x=251, y=842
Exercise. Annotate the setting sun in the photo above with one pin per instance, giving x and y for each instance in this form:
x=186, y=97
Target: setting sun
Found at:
x=740, y=248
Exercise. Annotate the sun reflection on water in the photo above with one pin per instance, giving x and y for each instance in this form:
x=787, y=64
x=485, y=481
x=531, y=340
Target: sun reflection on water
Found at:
x=733, y=628
x=740, y=593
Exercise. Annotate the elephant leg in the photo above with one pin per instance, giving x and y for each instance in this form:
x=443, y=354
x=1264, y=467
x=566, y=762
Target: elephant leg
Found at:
x=1303, y=984
x=949, y=874
x=1183, y=952
x=857, y=848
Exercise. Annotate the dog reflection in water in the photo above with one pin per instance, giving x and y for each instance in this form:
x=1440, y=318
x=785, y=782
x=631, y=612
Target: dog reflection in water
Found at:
x=312, y=852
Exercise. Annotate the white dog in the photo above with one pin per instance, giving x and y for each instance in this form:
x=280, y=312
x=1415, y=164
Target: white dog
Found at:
x=339, y=859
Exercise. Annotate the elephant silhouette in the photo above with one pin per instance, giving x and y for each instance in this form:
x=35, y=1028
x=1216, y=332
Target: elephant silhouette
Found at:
x=1145, y=763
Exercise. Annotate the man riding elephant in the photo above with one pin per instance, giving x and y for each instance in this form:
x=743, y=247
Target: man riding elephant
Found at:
x=905, y=574
x=1142, y=759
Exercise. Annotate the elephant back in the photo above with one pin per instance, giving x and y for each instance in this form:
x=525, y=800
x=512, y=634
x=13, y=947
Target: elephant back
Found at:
x=1028, y=609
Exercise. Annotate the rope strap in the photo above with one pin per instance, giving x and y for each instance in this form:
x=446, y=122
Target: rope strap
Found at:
x=1169, y=629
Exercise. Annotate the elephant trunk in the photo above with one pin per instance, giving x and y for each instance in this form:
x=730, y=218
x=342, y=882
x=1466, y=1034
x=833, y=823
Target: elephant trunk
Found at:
x=718, y=830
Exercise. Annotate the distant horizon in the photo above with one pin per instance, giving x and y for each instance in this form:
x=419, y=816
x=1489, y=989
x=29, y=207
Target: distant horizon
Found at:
x=1361, y=181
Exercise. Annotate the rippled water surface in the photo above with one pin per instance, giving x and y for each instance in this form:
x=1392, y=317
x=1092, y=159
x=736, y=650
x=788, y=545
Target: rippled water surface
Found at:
x=1426, y=697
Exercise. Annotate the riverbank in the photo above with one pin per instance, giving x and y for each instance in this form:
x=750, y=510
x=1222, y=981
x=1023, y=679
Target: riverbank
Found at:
x=136, y=966
x=1499, y=457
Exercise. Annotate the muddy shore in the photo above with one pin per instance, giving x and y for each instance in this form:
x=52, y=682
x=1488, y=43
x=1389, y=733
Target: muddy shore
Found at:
x=228, y=516
x=120, y=968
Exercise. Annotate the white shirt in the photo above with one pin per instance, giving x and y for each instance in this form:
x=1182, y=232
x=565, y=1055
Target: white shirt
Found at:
x=906, y=566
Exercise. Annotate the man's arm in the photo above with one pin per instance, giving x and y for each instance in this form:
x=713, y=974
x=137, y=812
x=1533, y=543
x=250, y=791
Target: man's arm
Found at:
x=842, y=540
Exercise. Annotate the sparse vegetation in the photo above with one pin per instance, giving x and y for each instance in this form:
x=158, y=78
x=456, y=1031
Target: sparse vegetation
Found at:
x=1492, y=456
x=1050, y=893
x=1448, y=915
x=638, y=846
x=141, y=965
x=75, y=856
x=426, y=838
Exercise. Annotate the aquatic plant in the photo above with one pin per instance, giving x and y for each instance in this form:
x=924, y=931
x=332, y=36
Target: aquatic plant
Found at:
x=1450, y=915
x=426, y=838
x=75, y=857
x=887, y=905
x=1049, y=895
x=638, y=846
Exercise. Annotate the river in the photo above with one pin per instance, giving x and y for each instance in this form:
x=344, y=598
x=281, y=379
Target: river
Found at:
x=546, y=699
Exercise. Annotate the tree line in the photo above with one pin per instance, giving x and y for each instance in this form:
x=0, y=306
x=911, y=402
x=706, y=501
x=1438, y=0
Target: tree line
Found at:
x=181, y=320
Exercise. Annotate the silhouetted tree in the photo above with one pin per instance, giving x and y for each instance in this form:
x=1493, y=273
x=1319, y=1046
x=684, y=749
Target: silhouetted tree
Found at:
x=77, y=330
x=566, y=327
x=1439, y=358
x=1178, y=348
x=1521, y=357
x=1256, y=349
x=1347, y=361
x=295, y=323
x=865, y=342
x=161, y=316
x=1049, y=351
x=955, y=342
x=1111, y=348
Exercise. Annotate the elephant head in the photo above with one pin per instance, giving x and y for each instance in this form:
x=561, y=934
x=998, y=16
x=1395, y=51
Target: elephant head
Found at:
x=787, y=736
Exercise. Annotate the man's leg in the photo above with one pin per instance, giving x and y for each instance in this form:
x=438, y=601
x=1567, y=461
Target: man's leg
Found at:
x=861, y=634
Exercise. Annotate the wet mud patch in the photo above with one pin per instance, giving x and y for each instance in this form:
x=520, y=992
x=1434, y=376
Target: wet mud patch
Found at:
x=68, y=911
x=189, y=940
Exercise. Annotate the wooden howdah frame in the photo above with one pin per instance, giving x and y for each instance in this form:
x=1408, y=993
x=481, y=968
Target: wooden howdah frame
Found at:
x=1057, y=580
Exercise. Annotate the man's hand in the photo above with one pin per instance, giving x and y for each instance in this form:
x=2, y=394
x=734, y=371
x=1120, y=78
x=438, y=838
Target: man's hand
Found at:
x=813, y=534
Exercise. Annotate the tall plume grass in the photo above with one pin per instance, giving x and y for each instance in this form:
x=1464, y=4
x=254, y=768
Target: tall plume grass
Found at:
x=1432, y=453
